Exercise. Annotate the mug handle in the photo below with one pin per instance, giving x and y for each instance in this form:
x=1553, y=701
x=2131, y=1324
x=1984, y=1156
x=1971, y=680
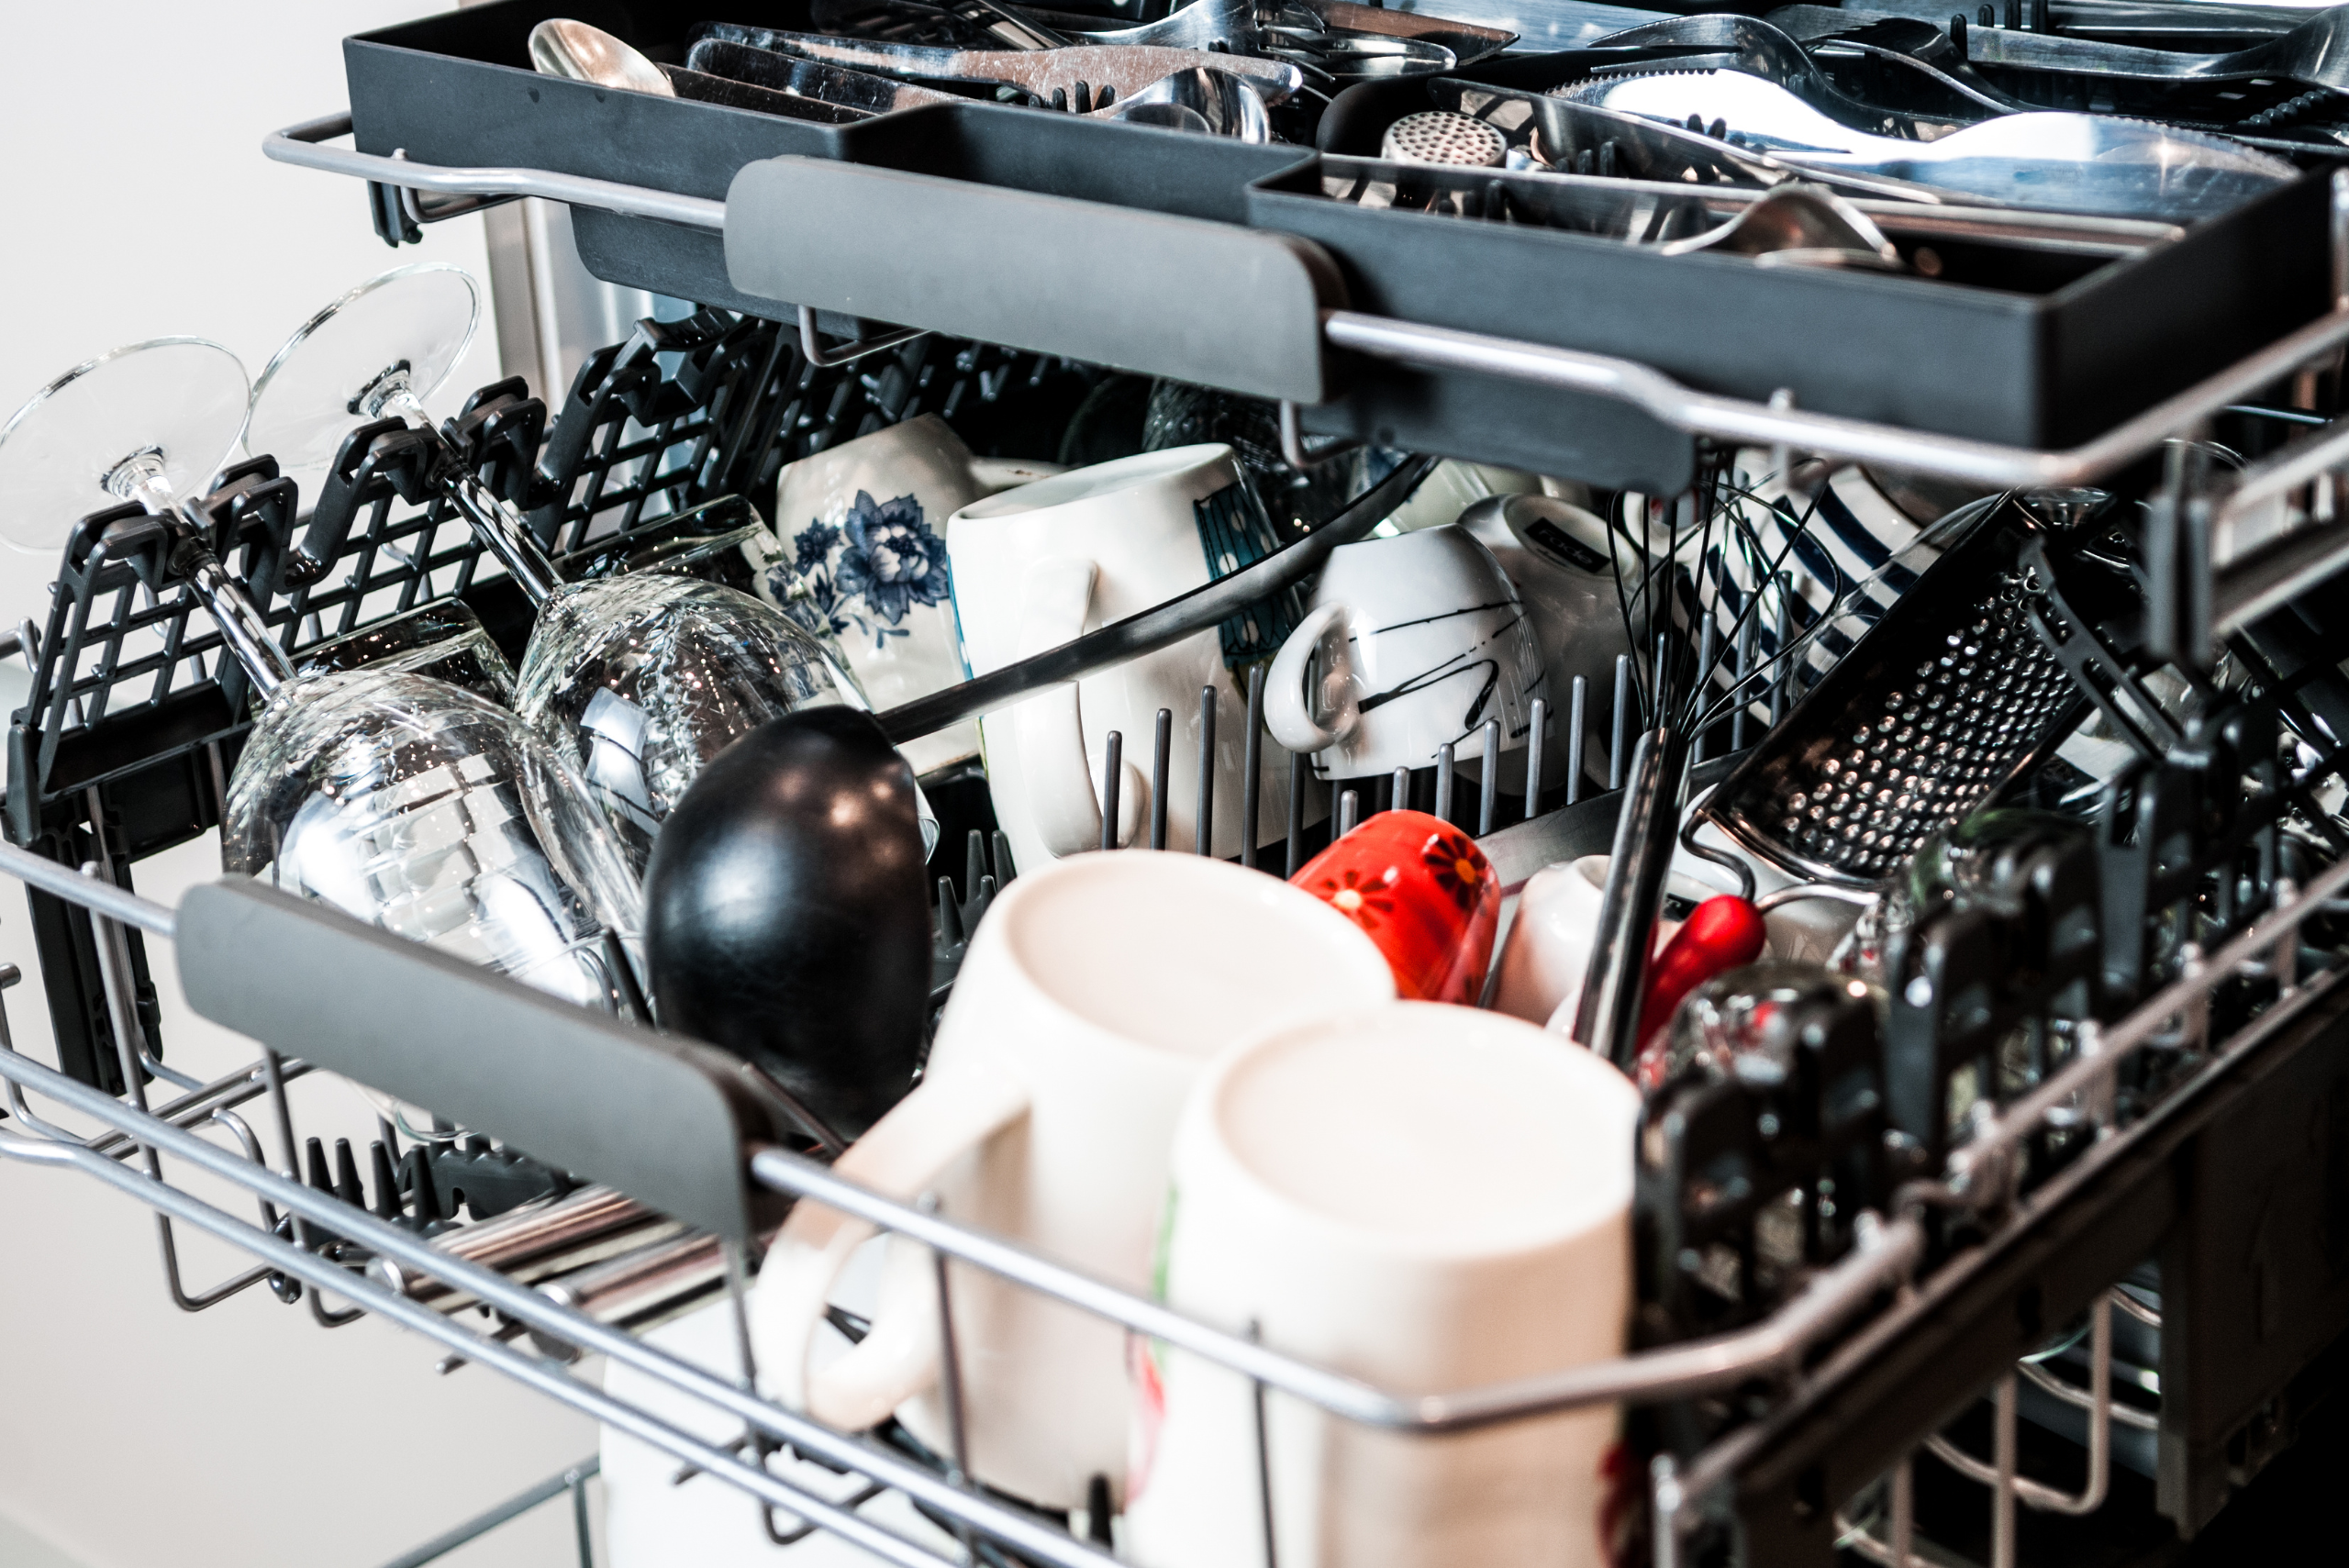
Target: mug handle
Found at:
x=900, y=1155
x=1288, y=713
x=1051, y=727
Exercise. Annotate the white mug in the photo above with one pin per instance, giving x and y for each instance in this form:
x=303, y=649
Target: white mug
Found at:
x=1091, y=997
x=862, y=527
x=1425, y=1197
x=1409, y=642
x=1037, y=566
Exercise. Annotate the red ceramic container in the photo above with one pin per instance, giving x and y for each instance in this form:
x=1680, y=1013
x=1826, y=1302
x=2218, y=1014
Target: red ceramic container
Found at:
x=1423, y=892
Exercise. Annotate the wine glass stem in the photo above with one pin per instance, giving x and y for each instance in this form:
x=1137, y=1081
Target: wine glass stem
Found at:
x=505, y=535
x=242, y=629
x=496, y=524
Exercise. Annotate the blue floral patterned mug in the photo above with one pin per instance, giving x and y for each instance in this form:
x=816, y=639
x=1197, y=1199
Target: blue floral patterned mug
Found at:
x=863, y=530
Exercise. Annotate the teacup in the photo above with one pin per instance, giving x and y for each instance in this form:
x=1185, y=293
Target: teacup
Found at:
x=1037, y=566
x=862, y=526
x=1557, y=555
x=1091, y=998
x=1546, y=951
x=1429, y=1199
x=1421, y=890
x=1409, y=642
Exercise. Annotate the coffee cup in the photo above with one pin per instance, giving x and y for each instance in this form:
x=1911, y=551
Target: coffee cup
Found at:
x=1038, y=566
x=1428, y=1198
x=1092, y=996
x=863, y=553
x=1409, y=642
x=1421, y=889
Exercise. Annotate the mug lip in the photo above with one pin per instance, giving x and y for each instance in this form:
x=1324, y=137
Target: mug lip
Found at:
x=1100, y=481
x=1174, y=865
x=1203, y=1129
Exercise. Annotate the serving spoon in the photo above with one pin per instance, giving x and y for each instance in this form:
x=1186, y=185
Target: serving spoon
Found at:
x=2063, y=162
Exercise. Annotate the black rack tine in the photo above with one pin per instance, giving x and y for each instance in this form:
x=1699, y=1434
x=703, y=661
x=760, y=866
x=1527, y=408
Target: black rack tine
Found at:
x=1161, y=749
x=1112, y=773
x=322, y=1175
x=1619, y=733
x=1488, y=794
x=1537, y=722
x=1297, y=765
x=1349, y=811
x=387, y=1182
x=1252, y=784
x=1445, y=764
x=975, y=861
x=950, y=917
x=346, y=1176
x=1003, y=868
x=1203, y=831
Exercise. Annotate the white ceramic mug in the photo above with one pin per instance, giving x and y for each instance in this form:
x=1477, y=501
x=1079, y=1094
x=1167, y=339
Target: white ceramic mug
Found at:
x=1426, y=1197
x=1090, y=999
x=862, y=528
x=1038, y=566
x=1409, y=642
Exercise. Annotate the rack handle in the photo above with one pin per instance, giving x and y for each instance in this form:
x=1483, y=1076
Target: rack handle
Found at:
x=669, y=1123
x=1049, y=273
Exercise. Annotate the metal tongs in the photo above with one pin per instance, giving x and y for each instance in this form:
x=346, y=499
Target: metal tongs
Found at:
x=1125, y=69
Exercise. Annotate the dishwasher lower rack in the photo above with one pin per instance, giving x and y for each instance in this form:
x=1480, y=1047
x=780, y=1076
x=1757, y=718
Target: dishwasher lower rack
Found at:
x=1944, y=1295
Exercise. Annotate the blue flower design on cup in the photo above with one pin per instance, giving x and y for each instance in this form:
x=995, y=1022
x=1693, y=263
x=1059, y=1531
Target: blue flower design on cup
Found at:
x=889, y=561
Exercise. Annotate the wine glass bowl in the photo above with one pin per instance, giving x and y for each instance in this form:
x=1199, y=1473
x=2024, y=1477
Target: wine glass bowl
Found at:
x=378, y=351
x=160, y=416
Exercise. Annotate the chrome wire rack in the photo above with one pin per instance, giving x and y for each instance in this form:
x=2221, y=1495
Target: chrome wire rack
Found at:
x=1953, y=1286
x=146, y=1149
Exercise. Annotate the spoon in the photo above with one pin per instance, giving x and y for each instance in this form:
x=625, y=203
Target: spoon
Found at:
x=2064, y=162
x=787, y=914
x=560, y=47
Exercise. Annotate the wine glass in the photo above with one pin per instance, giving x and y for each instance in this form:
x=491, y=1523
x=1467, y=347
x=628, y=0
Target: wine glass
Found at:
x=401, y=800
x=638, y=678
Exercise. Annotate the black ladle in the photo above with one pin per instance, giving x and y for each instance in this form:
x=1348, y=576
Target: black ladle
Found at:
x=787, y=913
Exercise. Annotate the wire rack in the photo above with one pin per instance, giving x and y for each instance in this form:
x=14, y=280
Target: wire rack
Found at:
x=2186, y=985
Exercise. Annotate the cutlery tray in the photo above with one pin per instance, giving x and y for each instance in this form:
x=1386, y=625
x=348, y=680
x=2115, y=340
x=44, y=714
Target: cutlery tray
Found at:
x=2018, y=339
x=457, y=89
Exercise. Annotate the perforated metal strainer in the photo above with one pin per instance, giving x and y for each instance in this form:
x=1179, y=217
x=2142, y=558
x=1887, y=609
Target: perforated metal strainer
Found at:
x=1947, y=697
x=1438, y=136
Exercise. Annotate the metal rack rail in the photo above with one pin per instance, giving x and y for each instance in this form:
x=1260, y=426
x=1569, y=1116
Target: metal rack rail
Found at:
x=1774, y=424
x=716, y=1180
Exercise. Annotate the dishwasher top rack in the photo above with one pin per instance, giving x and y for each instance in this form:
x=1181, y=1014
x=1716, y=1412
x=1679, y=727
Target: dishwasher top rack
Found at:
x=1287, y=332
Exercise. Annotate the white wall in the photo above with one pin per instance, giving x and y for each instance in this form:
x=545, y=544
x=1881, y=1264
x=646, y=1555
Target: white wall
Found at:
x=137, y=204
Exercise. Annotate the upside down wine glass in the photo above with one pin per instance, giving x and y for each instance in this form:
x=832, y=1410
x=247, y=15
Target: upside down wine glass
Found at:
x=639, y=679
x=398, y=799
